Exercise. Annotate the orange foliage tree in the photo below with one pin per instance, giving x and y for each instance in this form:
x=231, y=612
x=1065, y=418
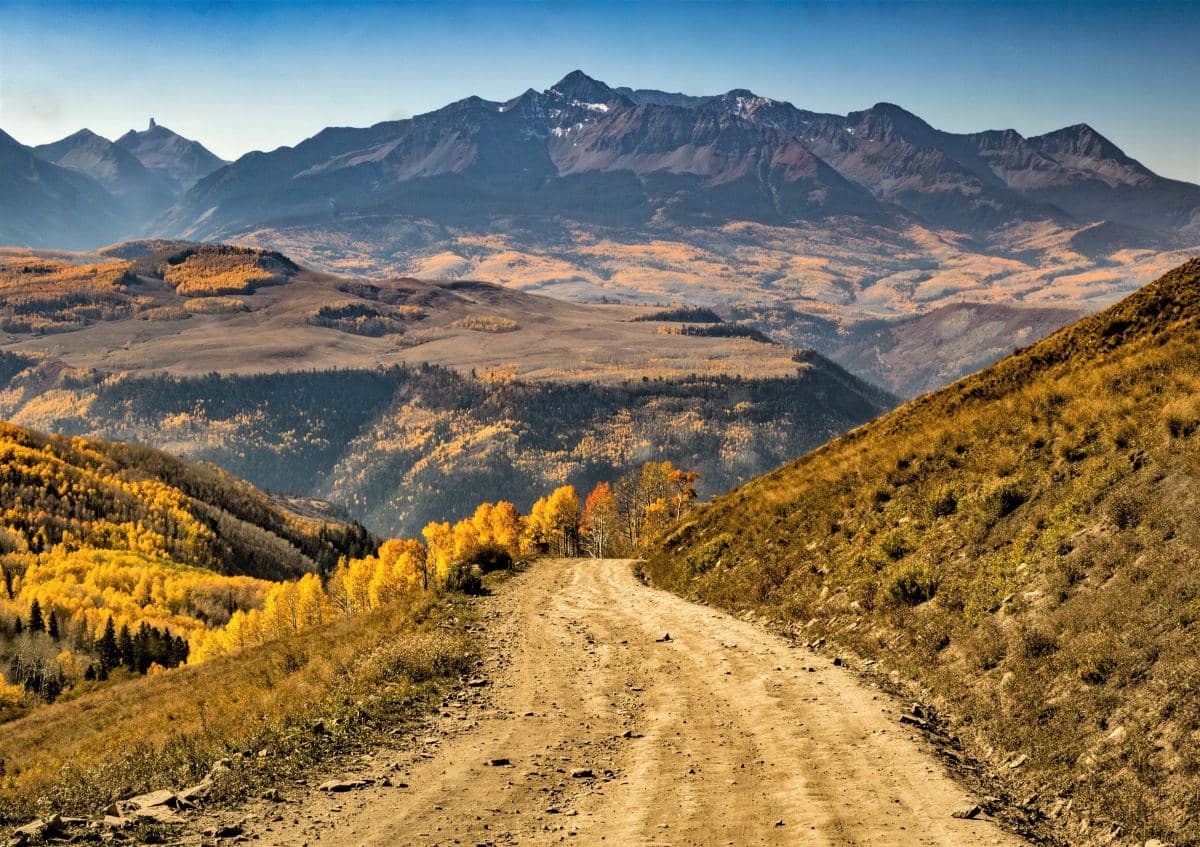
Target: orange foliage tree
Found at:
x=598, y=528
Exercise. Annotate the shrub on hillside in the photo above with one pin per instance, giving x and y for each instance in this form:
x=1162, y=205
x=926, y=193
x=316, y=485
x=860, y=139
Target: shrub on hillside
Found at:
x=894, y=545
x=1004, y=499
x=1036, y=643
x=944, y=504
x=1124, y=510
x=491, y=557
x=912, y=587
x=709, y=553
x=465, y=578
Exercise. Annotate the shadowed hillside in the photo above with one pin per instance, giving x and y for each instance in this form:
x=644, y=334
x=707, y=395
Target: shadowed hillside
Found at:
x=1023, y=546
x=401, y=446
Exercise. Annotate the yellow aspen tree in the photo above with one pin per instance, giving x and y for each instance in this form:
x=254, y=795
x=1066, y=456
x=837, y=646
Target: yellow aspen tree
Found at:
x=536, y=537
x=562, y=508
x=506, y=527
x=312, y=603
x=439, y=541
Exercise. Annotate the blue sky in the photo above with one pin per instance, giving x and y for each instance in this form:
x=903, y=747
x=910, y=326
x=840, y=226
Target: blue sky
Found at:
x=256, y=75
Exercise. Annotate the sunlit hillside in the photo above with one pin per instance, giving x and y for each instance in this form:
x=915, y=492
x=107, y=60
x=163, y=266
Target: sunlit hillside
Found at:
x=1023, y=546
x=401, y=446
x=155, y=614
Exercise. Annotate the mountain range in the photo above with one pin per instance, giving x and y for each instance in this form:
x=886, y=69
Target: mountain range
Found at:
x=583, y=149
x=85, y=190
x=775, y=215
x=604, y=155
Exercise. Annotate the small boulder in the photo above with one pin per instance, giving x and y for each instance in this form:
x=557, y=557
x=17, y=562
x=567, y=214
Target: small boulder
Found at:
x=966, y=813
x=339, y=786
x=227, y=830
x=666, y=637
x=162, y=797
x=193, y=794
x=37, y=830
x=156, y=814
x=582, y=773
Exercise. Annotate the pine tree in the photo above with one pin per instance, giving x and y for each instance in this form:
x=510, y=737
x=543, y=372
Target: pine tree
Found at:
x=125, y=649
x=110, y=652
x=52, y=625
x=143, y=648
x=36, y=623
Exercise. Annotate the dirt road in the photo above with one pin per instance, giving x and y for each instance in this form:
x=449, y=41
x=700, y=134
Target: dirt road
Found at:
x=603, y=734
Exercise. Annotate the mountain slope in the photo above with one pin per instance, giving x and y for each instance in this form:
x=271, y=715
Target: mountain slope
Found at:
x=157, y=615
x=142, y=192
x=71, y=491
x=1021, y=545
x=179, y=161
x=44, y=205
x=402, y=446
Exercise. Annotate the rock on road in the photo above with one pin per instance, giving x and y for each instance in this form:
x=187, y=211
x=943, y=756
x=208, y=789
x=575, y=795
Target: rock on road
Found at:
x=602, y=733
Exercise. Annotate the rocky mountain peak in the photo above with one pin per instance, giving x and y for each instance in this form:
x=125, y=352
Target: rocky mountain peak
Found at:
x=581, y=88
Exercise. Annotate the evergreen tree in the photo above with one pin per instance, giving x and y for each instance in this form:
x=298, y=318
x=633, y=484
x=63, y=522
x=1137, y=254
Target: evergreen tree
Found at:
x=110, y=652
x=181, y=651
x=52, y=625
x=145, y=648
x=36, y=622
x=125, y=649
x=18, y=626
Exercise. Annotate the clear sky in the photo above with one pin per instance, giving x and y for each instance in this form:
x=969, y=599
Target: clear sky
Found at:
x=255, y=75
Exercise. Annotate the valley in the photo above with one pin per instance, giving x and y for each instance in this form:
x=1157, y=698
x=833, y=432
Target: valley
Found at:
x=400, y=446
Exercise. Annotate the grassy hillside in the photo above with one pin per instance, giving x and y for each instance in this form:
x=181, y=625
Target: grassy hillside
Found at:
x=157, y=615
x=46, y=293
x=153, y=306
x=1023, y=546
x=400, y=447
x=357, y=677
x=56, y=490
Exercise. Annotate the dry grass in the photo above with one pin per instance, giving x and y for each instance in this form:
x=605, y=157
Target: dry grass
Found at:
x=353, y=675
x=1021, y=546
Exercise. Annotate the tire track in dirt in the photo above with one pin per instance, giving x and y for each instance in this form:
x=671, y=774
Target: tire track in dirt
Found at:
x=604, y=734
